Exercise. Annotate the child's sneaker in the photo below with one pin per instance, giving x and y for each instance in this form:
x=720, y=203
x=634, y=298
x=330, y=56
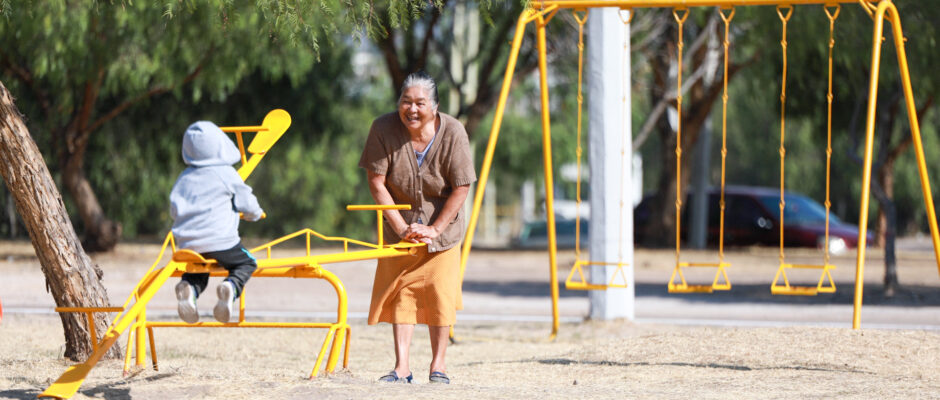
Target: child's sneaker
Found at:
x=225, y=307
x=186, y=307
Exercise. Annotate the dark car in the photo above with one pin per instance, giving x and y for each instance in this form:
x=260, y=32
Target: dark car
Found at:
x=752, y=218
x=534, y=234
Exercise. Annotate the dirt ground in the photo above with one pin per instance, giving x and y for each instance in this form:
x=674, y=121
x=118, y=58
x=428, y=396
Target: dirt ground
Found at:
x=744, y=343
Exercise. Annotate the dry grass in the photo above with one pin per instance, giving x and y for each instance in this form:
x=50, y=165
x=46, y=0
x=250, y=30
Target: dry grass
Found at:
x=504, y=360
x=615, y=359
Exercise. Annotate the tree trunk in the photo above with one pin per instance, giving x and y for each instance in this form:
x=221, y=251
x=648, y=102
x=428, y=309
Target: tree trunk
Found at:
x=70, y=275
x=883, y=190
x=101, y=233
x=11, y=215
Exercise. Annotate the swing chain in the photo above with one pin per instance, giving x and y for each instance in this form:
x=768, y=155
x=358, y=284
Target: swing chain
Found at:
x=724, y=130
x=581, y=19
x=832, y=15
x=680, y=15
x=784, y=12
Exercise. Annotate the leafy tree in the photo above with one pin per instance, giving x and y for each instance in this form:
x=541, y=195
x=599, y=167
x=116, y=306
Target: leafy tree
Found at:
x=702, y=86
x=806, y=105
x=89, y=62
x=85, y=64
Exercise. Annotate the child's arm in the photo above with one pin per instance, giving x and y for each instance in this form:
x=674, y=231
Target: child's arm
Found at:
x=245, y=202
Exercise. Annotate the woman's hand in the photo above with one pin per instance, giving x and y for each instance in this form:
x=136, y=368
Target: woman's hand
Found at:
x=420, y=233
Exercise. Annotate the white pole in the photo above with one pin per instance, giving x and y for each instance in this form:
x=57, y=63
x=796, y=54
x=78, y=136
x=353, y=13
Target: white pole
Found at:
x=611, y=158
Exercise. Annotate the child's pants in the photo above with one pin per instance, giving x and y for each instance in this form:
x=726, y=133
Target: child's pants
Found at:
x=237, y=260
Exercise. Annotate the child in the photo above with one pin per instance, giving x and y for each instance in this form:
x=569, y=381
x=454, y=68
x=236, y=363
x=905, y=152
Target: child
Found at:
x=204, y=204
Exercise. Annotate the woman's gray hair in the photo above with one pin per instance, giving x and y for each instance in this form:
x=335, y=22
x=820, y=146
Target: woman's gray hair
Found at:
x=423, y=80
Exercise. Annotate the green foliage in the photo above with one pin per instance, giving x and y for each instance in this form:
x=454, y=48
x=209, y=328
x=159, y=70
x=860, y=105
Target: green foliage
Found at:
x=754, y=119
x=306, y=180
x=246, y=66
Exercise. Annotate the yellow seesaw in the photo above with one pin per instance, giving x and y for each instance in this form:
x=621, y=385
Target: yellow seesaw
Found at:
x=133, y=314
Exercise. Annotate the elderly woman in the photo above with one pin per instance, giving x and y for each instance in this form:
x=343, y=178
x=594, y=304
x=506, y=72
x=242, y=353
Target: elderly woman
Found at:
x=420, y=157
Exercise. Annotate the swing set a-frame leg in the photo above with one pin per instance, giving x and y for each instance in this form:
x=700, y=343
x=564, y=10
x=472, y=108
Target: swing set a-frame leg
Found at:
x=67, y=384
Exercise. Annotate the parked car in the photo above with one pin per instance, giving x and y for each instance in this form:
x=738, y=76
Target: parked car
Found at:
x=534, y=234
x=752, y=218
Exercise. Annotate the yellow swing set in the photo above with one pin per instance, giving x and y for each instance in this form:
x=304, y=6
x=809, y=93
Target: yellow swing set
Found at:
x=619, y=277
x=720, y=281
x=825, y=283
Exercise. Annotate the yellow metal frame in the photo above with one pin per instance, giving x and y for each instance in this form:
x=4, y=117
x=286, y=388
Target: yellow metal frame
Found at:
x=577, y=269
x=541, y=11
x=133, y=313
x=721, y=281
x=825, y=284
x=832, y=13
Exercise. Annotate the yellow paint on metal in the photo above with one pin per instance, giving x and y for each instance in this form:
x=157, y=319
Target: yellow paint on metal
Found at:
x=887, y=10
x=533, y=13
x=825, y=285
x=547, y=168
x=90, y=318
x=825, y=275
x=271, y=129
x=494, y=137
x=726, y=43
x=577, y=269
x=182, y=261
x=583, y=4
x=784, y=18
x=720, y=282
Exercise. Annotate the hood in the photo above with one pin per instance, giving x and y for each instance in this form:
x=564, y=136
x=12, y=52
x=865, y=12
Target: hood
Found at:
x=204, y=144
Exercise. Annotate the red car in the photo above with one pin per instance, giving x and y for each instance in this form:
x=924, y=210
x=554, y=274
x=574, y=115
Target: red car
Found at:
x=752, y=216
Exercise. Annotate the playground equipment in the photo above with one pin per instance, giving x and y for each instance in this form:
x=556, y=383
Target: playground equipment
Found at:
x=720, y=282
x=832, y=12
x=133, y=313
x=579, y=263
x=542, y=11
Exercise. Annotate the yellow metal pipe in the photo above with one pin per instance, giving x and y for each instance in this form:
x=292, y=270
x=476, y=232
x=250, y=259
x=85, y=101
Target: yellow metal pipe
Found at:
x=866, y=168
x=90, y=317
x=341, y=315
x=141, y=337
x=370, y=207
x=67, y=384
x=127, y=352
x=494, y=137
x=915, y=128
x=153, y=348
x=549, y=181
x=677, y=3
x=240, y=129
x=241, y=146
x=320, y=355
x=346, y=349
x=246, y=324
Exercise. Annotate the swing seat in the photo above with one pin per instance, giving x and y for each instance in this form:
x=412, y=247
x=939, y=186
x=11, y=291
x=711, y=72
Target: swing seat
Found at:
x=684, y=287
x=793, y=290
x=584, y=285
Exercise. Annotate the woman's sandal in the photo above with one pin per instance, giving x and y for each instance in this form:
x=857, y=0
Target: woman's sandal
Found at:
x=392, y=377
x=439, y=377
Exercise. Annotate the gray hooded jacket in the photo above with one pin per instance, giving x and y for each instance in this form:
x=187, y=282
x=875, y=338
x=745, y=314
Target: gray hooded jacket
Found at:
x=209, y=194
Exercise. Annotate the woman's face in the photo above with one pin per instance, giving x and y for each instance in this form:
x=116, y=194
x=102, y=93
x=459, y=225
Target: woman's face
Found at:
x=415, y=109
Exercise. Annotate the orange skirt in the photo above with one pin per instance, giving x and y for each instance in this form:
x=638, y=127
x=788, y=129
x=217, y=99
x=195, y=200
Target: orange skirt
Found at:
x=419, y=289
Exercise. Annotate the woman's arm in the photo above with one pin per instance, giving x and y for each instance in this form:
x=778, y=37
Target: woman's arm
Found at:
x=447, y=214
x=381, y=196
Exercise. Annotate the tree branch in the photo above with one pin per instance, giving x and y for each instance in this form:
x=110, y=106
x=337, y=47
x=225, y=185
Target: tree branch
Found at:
x=150, y=93
x=25, y=76
x=908, y=139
